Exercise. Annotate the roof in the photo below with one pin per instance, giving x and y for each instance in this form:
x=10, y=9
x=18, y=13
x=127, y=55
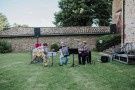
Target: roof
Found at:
x=46, y=31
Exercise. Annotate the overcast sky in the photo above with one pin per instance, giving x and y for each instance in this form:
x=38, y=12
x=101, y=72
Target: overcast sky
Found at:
x=35, y=13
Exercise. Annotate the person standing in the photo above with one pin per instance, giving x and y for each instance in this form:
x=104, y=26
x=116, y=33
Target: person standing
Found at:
x=85, y=53
x=61, y=56
x=88, y=57
x=64, y=53
x=79, y=46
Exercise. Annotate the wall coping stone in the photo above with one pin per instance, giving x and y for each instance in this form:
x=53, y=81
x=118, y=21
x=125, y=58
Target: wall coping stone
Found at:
x=54, y=31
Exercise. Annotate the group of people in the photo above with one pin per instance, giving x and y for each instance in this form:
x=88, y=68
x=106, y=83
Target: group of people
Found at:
x=40, y=51
x=84, y=54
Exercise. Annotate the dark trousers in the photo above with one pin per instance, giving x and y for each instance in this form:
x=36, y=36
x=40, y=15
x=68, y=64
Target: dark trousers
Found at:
x=84, y=59
x=89, y=57
x=79, y=58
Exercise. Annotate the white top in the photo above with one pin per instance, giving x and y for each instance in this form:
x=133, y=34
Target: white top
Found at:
x=61, y=54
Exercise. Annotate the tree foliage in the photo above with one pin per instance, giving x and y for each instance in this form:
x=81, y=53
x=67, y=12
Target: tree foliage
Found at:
x=81, y=12
x=20, y=25
x=3, y=22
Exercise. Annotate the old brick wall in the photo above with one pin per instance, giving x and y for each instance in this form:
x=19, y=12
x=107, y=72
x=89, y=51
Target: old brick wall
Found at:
x=22, y=39
x=26, y=43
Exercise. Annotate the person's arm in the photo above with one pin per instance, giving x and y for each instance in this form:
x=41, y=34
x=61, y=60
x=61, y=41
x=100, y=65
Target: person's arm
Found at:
x=80, y=49
x=87, y=49
x=61, y=53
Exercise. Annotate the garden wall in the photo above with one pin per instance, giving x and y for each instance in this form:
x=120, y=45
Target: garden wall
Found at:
x=22, y=39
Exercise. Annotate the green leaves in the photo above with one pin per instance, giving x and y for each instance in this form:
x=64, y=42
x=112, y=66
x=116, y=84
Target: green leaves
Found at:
x=5, y=46
x=81, y=12
x=108, y=41
x=3, y=22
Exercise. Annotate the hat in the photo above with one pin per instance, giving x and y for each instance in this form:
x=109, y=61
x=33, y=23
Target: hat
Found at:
x=63, y=44
x=45, y=44
x=84, y=42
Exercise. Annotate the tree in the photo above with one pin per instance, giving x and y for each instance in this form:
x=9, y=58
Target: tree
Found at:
x=3, y=22
x=82, y=12
x=19, y=25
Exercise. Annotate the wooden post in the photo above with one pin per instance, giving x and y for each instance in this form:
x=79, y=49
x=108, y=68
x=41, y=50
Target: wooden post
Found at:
x=52, y=59
x=37, y=40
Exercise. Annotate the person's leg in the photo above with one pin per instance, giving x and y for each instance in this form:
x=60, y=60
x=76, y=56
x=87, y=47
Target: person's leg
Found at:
x=61, y=60
x=79, y=59
x=83, y=60
x=66, y=60
x=89, y=57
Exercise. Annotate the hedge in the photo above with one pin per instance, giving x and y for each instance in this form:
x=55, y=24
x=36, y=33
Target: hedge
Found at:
x=5, y=47
x=107, y=41
x=55, y=47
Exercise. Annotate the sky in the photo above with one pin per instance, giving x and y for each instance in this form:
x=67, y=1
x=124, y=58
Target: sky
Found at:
x=34, y=13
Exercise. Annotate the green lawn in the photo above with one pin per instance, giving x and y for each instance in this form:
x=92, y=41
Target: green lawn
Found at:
x=17, y=74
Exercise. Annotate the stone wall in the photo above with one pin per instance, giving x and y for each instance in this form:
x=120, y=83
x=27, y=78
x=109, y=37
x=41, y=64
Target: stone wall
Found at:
x=26, y=43
x=130, y=21
x=29, y=31
x=116, y=8
x=22, y=39
x=117, y=14
x=128, y=12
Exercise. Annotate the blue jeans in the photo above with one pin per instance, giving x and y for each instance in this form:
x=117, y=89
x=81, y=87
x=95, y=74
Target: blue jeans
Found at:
x=63, y=60
x=66, y=60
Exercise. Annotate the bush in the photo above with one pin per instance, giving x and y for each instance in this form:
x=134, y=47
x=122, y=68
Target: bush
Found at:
x=55, y=47
x=5, y=47
x=107, y=41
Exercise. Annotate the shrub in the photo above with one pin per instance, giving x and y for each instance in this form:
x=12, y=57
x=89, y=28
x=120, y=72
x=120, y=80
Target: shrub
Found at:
x=5, y=47
x=55, y=46
x=107, y=41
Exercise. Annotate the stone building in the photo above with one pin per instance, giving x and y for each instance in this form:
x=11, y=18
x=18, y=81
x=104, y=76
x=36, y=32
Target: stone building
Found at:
x=124, y=17
x=129, y=21
x=117, y=14
x=22, y=39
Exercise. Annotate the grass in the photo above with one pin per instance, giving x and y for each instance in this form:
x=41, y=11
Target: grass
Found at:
x=17, y=74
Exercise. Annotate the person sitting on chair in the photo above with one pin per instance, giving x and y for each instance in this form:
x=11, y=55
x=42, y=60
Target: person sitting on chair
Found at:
x=37, y=45
x=38, y=54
